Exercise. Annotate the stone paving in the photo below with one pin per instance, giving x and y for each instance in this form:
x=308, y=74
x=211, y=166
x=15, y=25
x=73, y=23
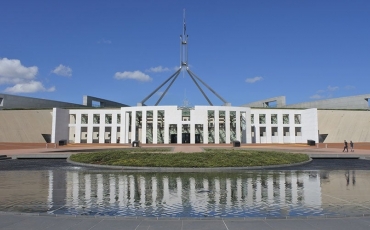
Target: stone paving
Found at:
x=50, y=150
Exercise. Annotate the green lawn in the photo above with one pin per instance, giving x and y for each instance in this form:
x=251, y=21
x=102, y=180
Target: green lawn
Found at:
x=208, y=159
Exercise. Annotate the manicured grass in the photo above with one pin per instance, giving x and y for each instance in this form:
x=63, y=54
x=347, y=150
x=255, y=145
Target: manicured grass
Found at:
x=208, y=159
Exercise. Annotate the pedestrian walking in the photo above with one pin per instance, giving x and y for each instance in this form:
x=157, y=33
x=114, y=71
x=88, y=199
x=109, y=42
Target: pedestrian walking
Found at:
x=351, y=145
x=345, y=146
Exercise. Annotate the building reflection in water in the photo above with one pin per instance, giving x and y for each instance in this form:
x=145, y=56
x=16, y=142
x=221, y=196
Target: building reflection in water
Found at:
x=239, y=194
x=192, y=194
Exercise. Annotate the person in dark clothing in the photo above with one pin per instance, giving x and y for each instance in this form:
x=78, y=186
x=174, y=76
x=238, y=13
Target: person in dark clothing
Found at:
x=345, y=146
x=351, y=145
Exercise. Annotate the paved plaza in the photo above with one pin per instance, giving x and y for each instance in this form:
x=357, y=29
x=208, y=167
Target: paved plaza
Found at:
x=39, y=221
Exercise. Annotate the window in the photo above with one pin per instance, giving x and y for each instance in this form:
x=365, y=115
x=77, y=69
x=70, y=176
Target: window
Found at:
x=186, y=114
x=262, y=131
x=118, y=118
x=274, y=119
x=285, y=118
x=298, y=131
x=286, y=131
x=84, y=119
x=252, y=118
x=96, y=119
x=72, y=119
x=262, y=119
x=1, y=101
x=297, y=118
x=274, y=131
x=108, y=118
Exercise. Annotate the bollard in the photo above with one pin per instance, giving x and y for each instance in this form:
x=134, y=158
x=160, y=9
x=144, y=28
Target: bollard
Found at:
x=46, y=145
x=55, y=146
x=326, y=145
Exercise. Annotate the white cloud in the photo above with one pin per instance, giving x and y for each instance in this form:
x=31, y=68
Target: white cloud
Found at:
x=13, y=72
x=62, y=71
x=158, y=69
x=253, y=80
x=135, y=75
x=28, y=87
x=316, y=96
x=332, y=88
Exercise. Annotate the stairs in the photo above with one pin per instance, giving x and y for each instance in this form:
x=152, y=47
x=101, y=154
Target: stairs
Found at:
x=4, y=157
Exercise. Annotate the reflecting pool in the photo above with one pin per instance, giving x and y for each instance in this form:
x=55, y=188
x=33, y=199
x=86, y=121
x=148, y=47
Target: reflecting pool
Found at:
x=224, y=194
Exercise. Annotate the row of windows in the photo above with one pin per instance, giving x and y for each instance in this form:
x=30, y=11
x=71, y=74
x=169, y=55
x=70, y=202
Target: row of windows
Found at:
x=274, y=118
x=96, y=119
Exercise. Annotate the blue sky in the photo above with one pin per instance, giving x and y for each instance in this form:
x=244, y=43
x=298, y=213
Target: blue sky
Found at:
x=245, y=50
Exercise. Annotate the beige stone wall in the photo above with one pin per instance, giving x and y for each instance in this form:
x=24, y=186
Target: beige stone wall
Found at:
x=344, y=125
x=25, y=126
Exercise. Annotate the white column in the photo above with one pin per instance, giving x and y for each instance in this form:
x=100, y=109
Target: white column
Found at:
x=227, y=127
x=205, y=132
x=192, y=133
x=90, y=129
x=143, y=127
x=238, y=136
x=166, y=132
x=268, y=128
x=155, y=126
x=102, y=128
x=217, y=127
x=179, y=133
x=133, y=126
x=113, y=130
x=78, y=128
x=127, y=127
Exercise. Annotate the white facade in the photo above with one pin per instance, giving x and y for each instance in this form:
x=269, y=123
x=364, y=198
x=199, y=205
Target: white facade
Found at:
x=171, y=124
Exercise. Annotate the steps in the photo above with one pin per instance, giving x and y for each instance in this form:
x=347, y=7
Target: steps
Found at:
x=4, y=157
